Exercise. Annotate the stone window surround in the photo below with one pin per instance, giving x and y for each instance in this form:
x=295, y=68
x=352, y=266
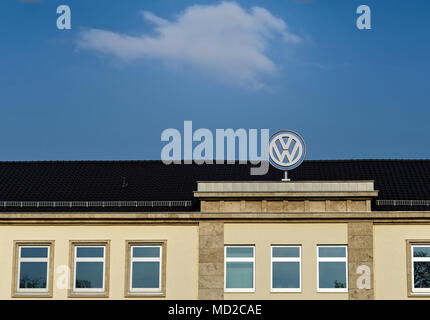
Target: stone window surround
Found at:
x=129, y=243
x=50, y=276
x=409, y=244
x=78, y=243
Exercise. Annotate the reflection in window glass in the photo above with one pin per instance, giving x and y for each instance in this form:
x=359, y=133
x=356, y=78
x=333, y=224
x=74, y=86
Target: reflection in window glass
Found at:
x=146, y=275
x=240, y=252
x=421, y=268
x=89, y=274
x=332, y=252
x=239, y=268
x=90, y=252
x=145, y=268
x=239, y=275
x=421, y=251
x=35, y=252
x=89, y=268
x=285, y=252
x=286, y=267
x=332, y=268
x=332, y=274
x=142, y=252
x=33, y=268
x=286, y=275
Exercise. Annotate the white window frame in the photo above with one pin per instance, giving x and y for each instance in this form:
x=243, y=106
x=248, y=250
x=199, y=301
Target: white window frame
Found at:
x=20, y=259
x=89, y=259
x=146, y=259
x=332, y=259
x=244, y=259
x=285, y=259
x=418, y=259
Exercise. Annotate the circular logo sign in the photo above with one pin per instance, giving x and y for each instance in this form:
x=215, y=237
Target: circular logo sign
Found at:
x=287, y=150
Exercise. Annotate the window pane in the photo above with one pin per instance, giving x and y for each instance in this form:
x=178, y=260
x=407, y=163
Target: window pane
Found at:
x=239, y=275
x=421, y=274
x=89, y=275
x=332, y=275
x=240, y=252
x=332, y=252
x=142, y=252
x=88, y=252
x=146, y=275
x=28, y=252
x=286, y=252
x=286, y=275
x=421, y=251
x=33, y=274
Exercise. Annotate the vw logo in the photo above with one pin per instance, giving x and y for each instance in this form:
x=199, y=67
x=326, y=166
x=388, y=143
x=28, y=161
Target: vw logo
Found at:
x=287, y=150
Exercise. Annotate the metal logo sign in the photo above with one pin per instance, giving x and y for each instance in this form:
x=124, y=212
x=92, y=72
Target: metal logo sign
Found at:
x=287, y=150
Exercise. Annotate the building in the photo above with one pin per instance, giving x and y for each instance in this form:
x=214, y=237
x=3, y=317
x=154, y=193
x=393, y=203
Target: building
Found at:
x=347, y=229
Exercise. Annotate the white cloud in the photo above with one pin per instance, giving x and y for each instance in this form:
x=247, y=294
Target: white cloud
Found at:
x=223, y=40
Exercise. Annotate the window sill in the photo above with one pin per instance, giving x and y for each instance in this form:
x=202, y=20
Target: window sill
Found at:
x=145, y=295
x=32, y=295
x=419, y=294
x=332, y=291
x=239, y=290
x=88, y=295
x=286, y=291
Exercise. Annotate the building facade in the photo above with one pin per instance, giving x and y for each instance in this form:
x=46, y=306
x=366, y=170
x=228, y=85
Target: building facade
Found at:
x=354, y=229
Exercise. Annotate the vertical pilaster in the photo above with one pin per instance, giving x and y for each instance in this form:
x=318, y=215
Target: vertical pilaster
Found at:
x=211, y=260
x=360, y=260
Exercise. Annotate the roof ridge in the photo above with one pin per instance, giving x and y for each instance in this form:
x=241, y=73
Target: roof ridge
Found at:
x=76, y=161
x=157, y=161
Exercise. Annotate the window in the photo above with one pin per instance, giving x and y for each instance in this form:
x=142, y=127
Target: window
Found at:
x=89, y=267
x=286, y=269
x=146, y=268
x=332, y=269
x=239, y=269
x=420, y=268
x=33, y=268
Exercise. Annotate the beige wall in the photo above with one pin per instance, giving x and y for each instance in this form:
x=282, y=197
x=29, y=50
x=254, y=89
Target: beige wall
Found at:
x=390, y=261
x=389, y=245
x=182, y=253
x=263, y=235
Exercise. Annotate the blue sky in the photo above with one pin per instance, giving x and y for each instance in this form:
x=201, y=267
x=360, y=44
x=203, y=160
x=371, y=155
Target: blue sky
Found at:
x=98, y=91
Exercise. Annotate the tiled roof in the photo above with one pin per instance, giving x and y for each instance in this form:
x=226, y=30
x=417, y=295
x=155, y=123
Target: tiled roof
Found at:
x=154, y=181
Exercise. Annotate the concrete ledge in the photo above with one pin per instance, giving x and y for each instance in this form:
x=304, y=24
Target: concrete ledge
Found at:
x=109, y=218
x=292, y=194
x=282, y=186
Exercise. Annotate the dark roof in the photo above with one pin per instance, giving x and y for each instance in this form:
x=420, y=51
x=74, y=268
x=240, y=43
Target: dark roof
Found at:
x=152, y=180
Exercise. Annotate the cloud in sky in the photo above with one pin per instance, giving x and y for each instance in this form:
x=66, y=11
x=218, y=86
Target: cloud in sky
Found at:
x=223, y=40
